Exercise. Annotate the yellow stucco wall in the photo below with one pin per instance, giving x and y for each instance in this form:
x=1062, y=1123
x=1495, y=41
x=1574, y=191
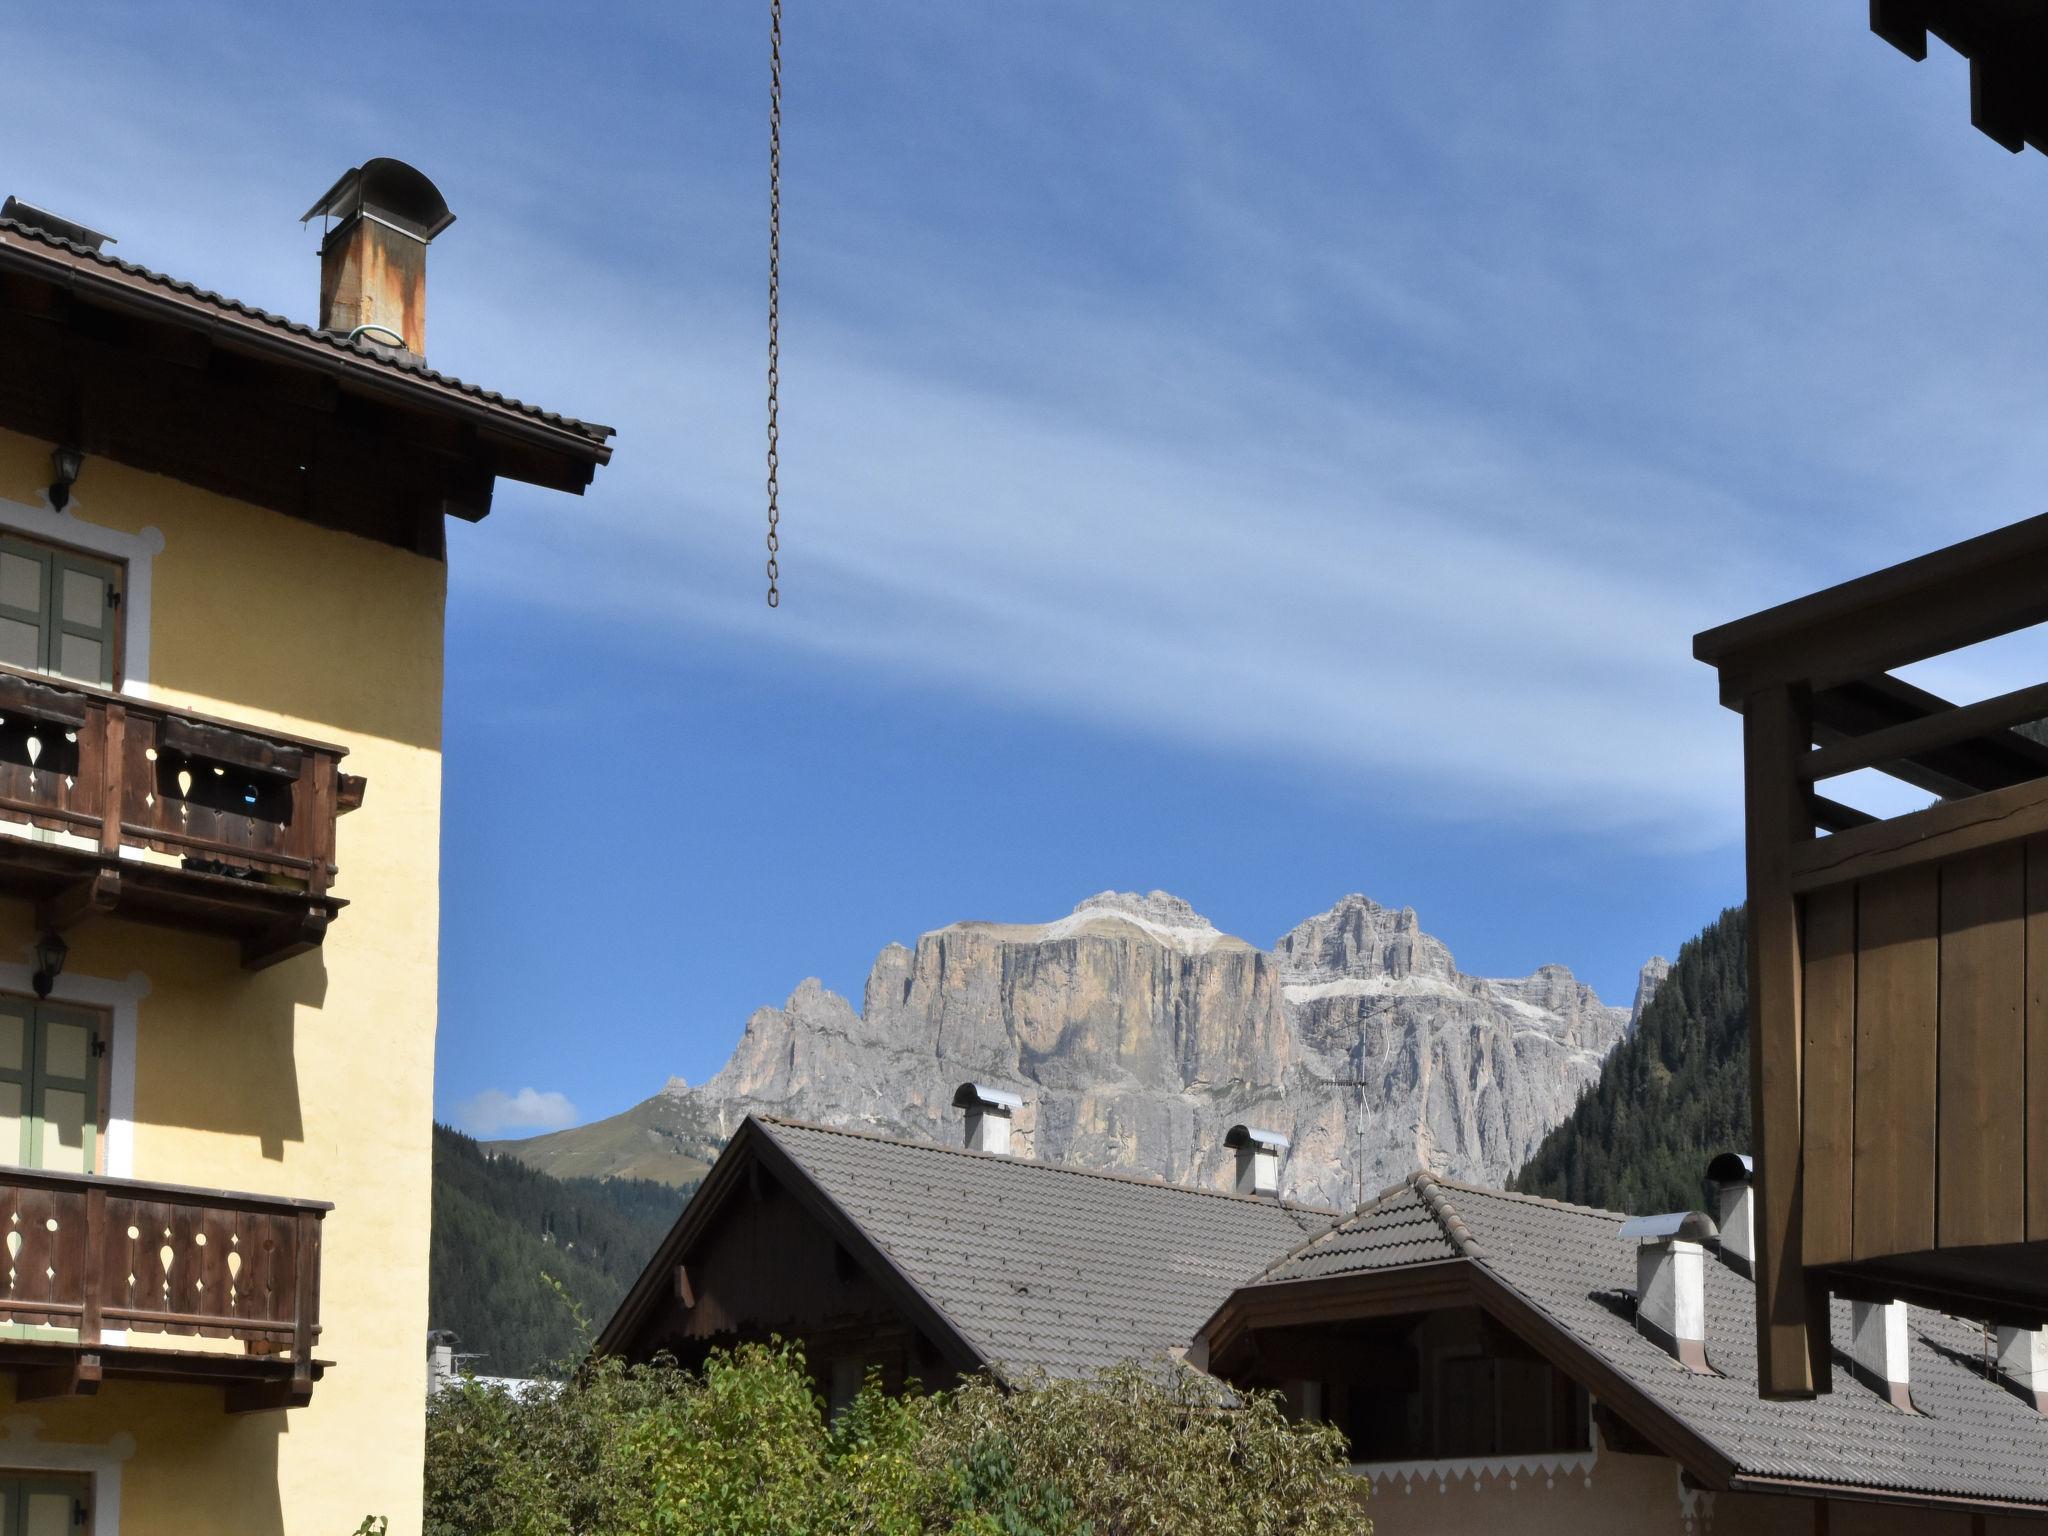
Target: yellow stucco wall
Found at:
x=313, y=1078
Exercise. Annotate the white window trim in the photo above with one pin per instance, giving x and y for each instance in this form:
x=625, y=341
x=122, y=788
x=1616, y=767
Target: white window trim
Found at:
x=23, y=1449
x=134, y=551
x=121, y=1000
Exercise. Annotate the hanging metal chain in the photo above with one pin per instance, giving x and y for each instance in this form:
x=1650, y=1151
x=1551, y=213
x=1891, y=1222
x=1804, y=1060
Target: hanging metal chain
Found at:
x=774, y=286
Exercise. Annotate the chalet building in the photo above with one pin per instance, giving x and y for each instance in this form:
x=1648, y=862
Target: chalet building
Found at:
x=1498, y=1362
x=222, y=579
x=1898, y=1024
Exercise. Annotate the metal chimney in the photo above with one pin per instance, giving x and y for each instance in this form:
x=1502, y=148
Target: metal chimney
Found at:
x=1258, y=1159
x=1729, y=1179
x=989, y=1112
x=1879, y=1344
x=1671, y=1285
x=373, y=259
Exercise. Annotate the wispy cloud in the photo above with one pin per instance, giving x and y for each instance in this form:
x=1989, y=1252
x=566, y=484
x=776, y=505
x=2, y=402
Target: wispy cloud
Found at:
x=497, y=1113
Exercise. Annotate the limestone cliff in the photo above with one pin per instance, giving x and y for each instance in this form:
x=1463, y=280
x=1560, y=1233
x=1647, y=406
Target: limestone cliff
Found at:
x=1137, y=1034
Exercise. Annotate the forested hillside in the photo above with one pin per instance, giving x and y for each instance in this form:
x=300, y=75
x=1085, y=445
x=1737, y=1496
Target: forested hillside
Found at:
x=502, y=1231
x=1669, y=1097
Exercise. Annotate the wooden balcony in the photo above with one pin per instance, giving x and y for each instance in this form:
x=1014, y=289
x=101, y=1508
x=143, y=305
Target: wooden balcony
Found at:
x=167, y=816
x=1898, y=1006
x=91, y=1263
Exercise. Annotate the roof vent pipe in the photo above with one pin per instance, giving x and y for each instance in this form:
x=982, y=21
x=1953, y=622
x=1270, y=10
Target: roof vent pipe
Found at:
x=989, y=1112
x=1258, y=1159
x=1671, y=1285
x=2023, y=1358
x=1730, y=1183
x=1878, y=1343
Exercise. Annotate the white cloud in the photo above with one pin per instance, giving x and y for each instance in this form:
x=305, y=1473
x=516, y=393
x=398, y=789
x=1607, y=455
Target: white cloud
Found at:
x=496, y=1113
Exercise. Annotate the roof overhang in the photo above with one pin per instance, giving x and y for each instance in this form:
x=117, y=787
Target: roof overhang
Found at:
x=754, y=1152
x=128, y=365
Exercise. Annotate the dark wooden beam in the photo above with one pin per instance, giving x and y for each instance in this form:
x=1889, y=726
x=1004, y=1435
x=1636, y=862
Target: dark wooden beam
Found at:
x=267, y=1396
x=285, y=942
x=78, y=1376
x=95, y=895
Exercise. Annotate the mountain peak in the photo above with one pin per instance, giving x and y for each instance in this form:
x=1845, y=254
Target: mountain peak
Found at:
x=1160, y=914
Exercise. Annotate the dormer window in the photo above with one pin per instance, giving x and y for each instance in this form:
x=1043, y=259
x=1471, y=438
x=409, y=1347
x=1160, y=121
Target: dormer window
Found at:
x=59, y=611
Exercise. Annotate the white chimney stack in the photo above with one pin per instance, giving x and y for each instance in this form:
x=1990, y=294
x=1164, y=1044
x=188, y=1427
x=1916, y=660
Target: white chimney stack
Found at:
x=1671, y=1283
x=1258, y=1159
x=1878, y=1343
x=1730, y=1177
x=989, y=1111
x=2023, y=1358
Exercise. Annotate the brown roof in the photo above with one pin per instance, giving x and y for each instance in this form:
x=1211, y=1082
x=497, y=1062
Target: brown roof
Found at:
x=27, y=248
x=1971, y=1439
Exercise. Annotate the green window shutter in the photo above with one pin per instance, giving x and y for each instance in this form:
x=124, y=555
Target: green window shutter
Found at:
x=82, y=603
x=64, y=1092
x=24, y=605
x=17, y=1052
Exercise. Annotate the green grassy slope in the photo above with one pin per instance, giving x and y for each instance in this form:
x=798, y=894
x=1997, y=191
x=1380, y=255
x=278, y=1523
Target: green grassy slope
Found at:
x=501, y=1230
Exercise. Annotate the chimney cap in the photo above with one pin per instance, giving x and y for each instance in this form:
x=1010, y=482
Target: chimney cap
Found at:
x=388, y=190
x=985, y=1096
x=1687, y=1226
x=1252, y=1136
x=1732, y=1168
x=53, y=224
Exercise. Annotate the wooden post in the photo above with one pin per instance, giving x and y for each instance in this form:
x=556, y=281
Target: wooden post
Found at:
x=95, y=1264
x=1793, y=1351
x=113, y=783
x=305, y=1302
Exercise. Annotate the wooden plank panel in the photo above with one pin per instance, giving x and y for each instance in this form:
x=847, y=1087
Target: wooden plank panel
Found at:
x=2037, y=1041
x=1935, y=835
x=1897, y=1011
x=1828, y=1074
x=1979, y=1196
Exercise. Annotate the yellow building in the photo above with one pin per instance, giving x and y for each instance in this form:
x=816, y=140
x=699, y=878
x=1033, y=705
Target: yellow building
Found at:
x=222, y=579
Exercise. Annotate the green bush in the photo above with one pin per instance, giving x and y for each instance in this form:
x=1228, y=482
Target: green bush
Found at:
x=743, y=1448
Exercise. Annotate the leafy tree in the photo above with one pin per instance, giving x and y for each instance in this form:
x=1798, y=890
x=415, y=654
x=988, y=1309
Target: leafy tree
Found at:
x=1669, y=1097
x=743, y=1448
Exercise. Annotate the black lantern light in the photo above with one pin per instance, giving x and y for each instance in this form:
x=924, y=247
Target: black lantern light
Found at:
x=51, y=951
x=65, y=463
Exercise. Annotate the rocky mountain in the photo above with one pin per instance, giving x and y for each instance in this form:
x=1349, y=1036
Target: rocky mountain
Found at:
x=1138, y=1034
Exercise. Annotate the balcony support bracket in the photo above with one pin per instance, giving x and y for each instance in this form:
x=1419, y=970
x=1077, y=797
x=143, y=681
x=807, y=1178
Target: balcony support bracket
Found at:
x=96, y=895
x=268, y=1396
x=285, y=941
x=76, y=1377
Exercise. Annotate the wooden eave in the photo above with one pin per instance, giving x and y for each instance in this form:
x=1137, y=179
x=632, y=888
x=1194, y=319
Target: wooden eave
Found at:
x=174, y=382
x=753, y=1149
x=2006, y=42
x=1958, y=596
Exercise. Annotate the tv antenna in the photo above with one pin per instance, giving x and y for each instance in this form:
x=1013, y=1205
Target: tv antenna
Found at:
x=774, y=286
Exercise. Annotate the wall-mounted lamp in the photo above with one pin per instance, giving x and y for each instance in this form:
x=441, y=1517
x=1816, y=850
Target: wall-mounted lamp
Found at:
x=51, y=952
x=65, y=463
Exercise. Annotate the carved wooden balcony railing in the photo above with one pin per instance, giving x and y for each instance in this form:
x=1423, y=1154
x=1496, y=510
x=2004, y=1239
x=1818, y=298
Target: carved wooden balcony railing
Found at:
x=247, y=816
x=93, y=1263
x=1898, y=1012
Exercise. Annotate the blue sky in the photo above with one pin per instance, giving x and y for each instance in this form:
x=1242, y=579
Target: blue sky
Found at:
x=1260, y=452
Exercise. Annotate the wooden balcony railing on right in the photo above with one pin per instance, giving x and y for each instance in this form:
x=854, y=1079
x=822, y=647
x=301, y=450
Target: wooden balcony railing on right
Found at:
x=91, y=1262
x=242, y=819
x=1898, y=1027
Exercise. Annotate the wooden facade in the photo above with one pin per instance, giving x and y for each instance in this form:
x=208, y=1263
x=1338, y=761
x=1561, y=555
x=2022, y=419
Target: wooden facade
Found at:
x=1898, y=965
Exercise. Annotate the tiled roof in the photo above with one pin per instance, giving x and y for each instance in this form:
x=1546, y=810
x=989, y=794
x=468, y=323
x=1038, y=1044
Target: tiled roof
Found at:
x=27, y=237
x=1971, y=1438
x=1044, y=1267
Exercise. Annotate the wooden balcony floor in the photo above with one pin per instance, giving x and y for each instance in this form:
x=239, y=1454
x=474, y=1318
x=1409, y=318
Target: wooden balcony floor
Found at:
x=54, y=1368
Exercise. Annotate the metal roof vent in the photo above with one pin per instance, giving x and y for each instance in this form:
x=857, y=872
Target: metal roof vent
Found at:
x=373, y=260
x=1731, y=1183
x=1671, y=1286
x=50, y=224
x=1258, y=1159
x=989, y=1112
x=2023, y=1360
x=1878, y=1345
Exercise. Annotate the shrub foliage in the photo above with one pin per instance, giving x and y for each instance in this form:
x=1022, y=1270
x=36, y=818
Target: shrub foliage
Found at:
x=744, y=1448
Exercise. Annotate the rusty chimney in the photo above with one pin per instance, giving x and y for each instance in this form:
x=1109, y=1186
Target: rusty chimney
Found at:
x=373, y=257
